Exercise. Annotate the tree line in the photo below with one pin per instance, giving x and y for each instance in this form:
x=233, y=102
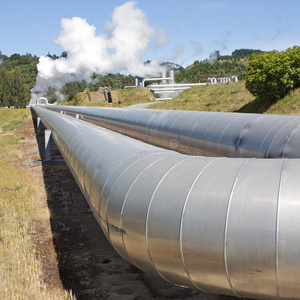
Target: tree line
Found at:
x=13, y=90
x=17, y=78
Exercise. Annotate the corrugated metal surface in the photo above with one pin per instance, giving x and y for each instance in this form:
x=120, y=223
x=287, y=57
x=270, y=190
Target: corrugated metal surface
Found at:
x=221, y=225
x=202, y=133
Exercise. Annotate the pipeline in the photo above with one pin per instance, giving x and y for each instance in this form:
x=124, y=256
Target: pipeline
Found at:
x=136, y=85
x=220, y=225
x=201, y=133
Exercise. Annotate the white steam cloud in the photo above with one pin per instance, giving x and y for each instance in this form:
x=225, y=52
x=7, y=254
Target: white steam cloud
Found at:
x=121, y=49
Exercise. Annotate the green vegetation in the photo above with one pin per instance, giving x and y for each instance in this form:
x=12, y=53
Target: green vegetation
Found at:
x=233, y=97
x=12, y=125
x=245, y=52
x=115, y=81
x=17, y=77
x=271, y=76
x=222, y=97
x=200, y=71
x=10, y=116
x=13, y=90
x=21, y=71
x=70, y=89
x=25, y=64
x=216, y=66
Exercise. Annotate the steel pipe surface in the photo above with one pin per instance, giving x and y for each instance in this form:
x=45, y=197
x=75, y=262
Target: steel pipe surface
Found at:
x=220, y=225
x=202, y=133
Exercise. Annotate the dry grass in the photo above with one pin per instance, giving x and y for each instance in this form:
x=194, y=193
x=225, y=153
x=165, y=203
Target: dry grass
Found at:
x=121, y=98
x=21, y=211
x=124, y=98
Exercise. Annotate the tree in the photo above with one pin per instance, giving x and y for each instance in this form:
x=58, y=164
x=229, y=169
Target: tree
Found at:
x=20, y=93
x=2, y=75
x=70, y=89
x=5, y=88
x=13, y=91
x=272, y=75
x=54, y=56
x=64, y=54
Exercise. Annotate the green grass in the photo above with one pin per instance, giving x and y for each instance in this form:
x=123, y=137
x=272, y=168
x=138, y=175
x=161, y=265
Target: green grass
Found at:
x=222, y=97
x=289, y=105
x=232, y=97
x=12, y=125
x=11, y=118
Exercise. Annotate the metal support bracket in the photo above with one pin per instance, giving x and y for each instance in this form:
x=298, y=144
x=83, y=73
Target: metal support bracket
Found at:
x=38, y=125
x=47, y=145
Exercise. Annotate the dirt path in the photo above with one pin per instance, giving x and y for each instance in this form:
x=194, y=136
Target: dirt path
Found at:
x=87, y=263
x=143, y=105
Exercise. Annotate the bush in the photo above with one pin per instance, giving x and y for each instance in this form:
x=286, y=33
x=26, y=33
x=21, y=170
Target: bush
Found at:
x=272, y=75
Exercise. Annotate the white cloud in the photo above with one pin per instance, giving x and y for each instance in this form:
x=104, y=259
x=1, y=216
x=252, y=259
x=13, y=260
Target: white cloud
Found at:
x=120, y=49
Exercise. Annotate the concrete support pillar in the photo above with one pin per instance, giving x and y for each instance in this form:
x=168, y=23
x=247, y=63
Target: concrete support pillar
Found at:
x=47, y=145
x=77, y=116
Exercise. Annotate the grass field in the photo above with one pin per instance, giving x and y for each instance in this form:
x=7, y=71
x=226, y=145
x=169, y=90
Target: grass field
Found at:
x=21, y=275
x=232, y=97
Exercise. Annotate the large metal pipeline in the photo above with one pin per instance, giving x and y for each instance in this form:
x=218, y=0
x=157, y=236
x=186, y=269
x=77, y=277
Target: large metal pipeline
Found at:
x=221, y=225
x=202, y=133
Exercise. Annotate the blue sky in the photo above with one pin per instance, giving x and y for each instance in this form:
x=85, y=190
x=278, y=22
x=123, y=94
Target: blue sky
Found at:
x=192, y=28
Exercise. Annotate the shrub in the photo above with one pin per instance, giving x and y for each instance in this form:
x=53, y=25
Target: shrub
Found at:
x=272, y=75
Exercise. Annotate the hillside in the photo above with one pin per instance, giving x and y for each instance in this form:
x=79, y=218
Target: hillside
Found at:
x=220, y=98
x=200, y=71
x=121, y=98
x=230, y=98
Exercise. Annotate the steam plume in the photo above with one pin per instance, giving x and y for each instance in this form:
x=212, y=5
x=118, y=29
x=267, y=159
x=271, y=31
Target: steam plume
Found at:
x=121, y=49
x=212, y=57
